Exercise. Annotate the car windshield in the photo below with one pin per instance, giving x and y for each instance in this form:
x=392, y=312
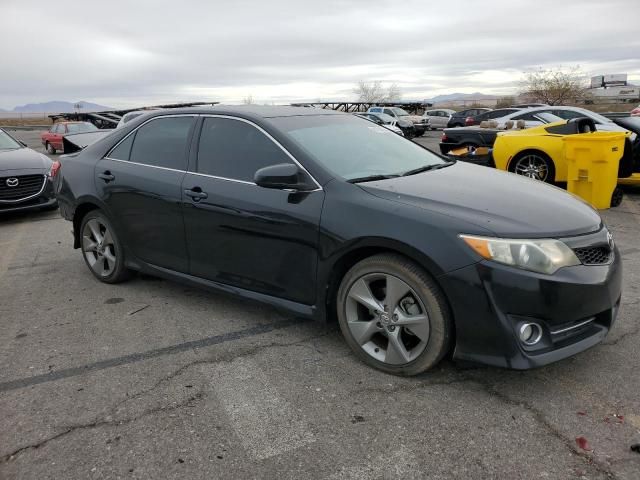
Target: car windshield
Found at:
x=8, y=143
x=547, y=117
x=354, y=149
x=399, y=112
x=81, y=127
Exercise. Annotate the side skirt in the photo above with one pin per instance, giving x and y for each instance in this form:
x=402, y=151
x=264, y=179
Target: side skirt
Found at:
x=299, y=309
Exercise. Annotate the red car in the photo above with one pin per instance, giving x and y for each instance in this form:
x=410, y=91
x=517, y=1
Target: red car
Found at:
x=52, y=138
x=636, y=112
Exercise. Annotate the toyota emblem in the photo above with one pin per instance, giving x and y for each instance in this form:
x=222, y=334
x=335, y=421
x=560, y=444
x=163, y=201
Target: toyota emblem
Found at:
x=12, y=182
x=610, y=240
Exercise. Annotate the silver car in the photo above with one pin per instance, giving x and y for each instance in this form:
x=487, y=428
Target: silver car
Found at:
x=438, y=118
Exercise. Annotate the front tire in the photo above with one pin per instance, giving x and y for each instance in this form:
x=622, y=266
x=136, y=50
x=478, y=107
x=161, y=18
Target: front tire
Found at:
x=393, y=315
x=101, y=248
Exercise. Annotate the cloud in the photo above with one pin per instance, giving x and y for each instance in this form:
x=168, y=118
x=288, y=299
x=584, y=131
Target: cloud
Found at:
x=127, y=53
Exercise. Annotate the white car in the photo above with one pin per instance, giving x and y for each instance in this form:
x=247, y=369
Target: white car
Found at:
x=529, y=115
x=127, y=117
x=438, y=118
x=383, y=120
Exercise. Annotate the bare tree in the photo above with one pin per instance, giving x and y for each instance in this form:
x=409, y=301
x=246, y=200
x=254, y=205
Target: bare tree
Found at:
x=505, y=102
x=393, y=93
x=248, y=100
x=556, y=86
x=375, y=92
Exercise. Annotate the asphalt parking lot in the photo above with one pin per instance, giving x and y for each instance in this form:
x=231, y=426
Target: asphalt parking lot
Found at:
x=152, y=379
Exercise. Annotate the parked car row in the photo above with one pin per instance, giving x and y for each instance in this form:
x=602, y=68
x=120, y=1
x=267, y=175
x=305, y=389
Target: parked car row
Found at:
x=453, y=138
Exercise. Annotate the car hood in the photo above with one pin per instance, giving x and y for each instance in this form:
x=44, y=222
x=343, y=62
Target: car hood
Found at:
x=413, y=118
x=504, y=203
x=23, y=159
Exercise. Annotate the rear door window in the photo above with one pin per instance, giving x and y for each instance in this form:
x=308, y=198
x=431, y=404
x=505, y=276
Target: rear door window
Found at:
x=234, y=149
x=162, y=142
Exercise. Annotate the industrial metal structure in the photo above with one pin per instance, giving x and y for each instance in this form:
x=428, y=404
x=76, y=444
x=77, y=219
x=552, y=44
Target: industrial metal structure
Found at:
x=110, y=118
x=412, y=106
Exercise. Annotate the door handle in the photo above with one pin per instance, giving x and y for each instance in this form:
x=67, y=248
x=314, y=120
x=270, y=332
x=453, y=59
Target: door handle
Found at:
x=196, y=194
x=106, y=176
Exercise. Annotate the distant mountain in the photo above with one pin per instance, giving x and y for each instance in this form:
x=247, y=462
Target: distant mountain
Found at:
x=461, y=96
x=60, y=107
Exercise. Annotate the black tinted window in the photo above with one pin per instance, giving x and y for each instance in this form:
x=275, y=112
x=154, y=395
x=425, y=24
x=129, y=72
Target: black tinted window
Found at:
x=235, y=149
x=163, y=142
x=121, y=152
x=526, y=116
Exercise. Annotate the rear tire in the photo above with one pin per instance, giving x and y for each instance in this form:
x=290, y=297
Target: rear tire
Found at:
x=534, y=164
x=393, y=315
x=50, y=149
x=101, y=248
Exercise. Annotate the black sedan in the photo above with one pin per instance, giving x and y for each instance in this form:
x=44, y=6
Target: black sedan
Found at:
x=324, y=215
x=25, y=177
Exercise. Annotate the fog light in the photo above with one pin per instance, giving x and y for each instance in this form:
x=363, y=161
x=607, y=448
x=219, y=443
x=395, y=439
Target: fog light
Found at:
x=530, y=333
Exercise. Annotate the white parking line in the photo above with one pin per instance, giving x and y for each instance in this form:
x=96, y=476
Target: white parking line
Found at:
x=264, y=422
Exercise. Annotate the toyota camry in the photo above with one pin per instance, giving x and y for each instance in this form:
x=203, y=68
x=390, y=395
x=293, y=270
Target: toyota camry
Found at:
x=326, y=216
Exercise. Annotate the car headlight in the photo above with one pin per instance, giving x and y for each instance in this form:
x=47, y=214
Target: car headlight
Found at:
x=538, y=255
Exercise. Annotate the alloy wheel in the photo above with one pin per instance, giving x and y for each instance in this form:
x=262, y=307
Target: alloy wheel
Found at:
x=532, y=166
x=387, y=318
x=98, y=247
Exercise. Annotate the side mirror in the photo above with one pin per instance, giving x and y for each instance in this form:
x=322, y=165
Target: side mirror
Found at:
x=283, y=176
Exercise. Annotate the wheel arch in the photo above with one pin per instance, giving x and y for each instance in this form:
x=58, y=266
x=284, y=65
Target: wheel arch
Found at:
x=362, y=249
x=83, y=207
x=531, y=150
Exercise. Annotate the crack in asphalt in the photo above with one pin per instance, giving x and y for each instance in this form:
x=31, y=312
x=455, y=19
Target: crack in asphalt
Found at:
x=189, y=402
x=106, y=421
x=141, y=356
x=539, y=417
x=210, y=361
x=630, y=333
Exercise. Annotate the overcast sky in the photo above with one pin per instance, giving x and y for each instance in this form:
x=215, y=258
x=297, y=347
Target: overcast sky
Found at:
x=138, y=52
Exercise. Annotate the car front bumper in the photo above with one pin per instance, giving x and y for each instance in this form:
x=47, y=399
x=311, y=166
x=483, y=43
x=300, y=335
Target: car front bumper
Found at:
x=44, y=199
x=576, y=307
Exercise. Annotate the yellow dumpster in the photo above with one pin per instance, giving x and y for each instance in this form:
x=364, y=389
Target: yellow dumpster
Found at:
x=593, y=160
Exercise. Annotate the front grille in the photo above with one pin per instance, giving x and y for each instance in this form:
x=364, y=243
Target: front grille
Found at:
x=27, y=185
x=593, y=255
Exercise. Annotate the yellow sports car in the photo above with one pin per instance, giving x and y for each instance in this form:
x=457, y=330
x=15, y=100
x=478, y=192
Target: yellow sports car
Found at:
x=539, y=152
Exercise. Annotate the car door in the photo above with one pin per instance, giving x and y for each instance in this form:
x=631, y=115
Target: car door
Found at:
x=434, y=118
x=56, y=138
x=140, y=181
x=240, y=234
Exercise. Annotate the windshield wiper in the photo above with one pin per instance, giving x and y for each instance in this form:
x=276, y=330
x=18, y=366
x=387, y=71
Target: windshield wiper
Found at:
x=427, y=168
x=371, y=178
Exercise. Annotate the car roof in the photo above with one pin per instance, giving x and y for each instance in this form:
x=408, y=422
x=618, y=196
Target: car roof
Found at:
x=247, y=111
